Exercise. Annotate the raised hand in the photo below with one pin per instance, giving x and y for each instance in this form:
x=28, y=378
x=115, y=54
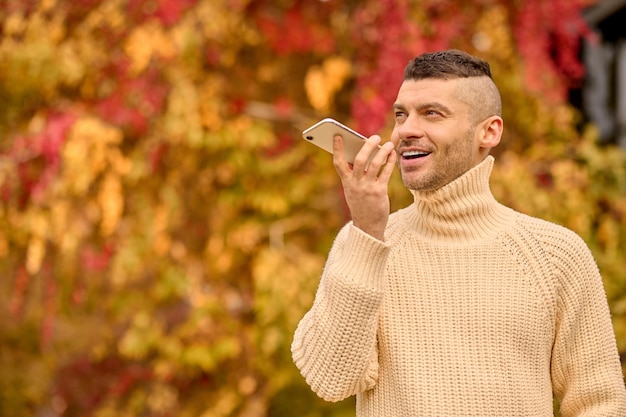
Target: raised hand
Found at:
x=366, y=185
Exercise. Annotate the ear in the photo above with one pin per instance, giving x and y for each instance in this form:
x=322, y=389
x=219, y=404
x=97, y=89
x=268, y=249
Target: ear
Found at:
x=490, y=132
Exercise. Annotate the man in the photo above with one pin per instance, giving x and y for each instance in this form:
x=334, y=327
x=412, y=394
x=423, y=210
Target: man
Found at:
x=455, y=305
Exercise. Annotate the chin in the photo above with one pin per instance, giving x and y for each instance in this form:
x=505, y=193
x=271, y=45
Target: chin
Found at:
x=421, y=183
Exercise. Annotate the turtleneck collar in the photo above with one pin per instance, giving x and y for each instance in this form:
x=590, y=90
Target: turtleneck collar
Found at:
x=462, y=210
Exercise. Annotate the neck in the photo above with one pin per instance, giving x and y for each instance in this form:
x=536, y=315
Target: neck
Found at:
x=462, y=211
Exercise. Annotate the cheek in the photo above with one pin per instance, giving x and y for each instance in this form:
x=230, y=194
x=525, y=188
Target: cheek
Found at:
x=459, y=148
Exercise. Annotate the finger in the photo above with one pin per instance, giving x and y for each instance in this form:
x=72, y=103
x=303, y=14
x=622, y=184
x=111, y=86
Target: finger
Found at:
x=379, y=159
x=339, y=158
x=387, y=151
x=363, y=156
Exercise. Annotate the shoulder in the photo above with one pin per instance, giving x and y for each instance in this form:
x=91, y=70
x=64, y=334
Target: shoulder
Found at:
x=552, y=236
x=563, y=249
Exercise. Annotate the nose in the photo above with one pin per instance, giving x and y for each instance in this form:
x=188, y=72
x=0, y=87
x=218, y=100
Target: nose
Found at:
x=408, y=129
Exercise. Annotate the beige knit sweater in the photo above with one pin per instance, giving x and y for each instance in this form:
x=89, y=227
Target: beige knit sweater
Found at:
x=468, y=309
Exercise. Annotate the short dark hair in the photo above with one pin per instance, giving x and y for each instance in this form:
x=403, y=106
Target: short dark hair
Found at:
x=446, y=65
x=479, y=90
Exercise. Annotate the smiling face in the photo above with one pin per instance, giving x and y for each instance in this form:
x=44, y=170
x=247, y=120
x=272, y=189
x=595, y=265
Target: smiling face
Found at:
x=441, y=131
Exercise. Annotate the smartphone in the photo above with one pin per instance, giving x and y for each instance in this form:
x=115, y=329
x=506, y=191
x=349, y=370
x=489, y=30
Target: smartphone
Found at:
x=322, y=133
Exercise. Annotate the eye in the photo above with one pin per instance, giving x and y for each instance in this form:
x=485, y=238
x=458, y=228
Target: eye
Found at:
x=432, y=114
x=399, y=114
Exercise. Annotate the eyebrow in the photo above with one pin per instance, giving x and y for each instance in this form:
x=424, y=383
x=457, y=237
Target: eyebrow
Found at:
x=425, y=106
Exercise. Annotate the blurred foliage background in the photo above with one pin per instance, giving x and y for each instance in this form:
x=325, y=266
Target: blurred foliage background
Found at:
x=163, y=226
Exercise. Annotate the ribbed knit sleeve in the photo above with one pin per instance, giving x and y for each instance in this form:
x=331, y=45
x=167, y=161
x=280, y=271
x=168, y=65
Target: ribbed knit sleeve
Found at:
x=586, y=372
x=334, y=345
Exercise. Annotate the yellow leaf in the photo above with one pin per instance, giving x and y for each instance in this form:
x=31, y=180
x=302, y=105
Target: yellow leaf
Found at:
x=89, y=140
x=34, y=255
x=4, y=245
x=322, y=83
x=225, y=404
x=145, y=42
x=111, y=202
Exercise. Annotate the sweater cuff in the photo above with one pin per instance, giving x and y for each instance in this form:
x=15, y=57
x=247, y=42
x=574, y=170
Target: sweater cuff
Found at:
x=364, y=258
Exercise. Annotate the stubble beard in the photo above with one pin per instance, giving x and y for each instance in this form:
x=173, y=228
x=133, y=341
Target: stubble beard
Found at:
x=449, y=165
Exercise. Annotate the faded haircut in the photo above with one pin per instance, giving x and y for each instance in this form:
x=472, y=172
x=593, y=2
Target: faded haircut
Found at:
x=479, y=91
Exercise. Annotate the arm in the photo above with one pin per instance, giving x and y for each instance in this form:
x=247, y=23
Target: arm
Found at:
x=586, y=373
x=334, y=345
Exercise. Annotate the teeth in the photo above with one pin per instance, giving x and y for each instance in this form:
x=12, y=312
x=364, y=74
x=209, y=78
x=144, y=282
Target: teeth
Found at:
x=414, y=153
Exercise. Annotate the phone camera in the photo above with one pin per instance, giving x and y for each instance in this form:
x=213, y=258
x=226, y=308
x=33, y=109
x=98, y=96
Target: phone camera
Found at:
x=309, y=137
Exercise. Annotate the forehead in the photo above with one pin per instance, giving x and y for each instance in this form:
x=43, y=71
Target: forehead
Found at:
x=432, y=90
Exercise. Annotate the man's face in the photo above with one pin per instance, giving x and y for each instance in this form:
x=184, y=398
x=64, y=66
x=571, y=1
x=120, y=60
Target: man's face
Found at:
x=434, y=135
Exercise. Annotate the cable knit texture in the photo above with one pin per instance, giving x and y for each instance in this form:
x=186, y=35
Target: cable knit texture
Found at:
x=467, y=309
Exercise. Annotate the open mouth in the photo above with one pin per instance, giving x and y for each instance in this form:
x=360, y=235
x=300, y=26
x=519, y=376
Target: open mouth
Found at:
x=414, y=154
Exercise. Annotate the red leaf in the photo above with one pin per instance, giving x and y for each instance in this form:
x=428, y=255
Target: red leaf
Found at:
x=134, y=101
x=298, y=30
x=22, y=280
x=395, y=40
x=169, y=12
x=95, y=260
x=38, y=156
x=283, y=107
